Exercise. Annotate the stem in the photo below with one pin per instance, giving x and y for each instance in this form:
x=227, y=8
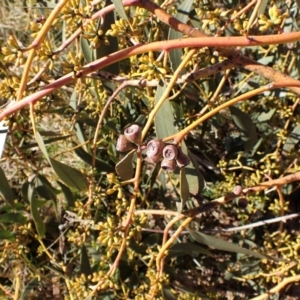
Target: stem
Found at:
x=180, y=135
x=158, y=46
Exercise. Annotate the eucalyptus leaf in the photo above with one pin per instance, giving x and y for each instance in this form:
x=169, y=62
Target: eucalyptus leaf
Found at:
x=13, y=218
x=184, y=188
x=85, y=267
x=6, y=235
x=220, y=244
x=69, y=175
x=34, y=208
x=266, y=116
x=86, y=50
x=292, y=140
x=183, y=16
x=163, y=120
x=100, y=165
x=246, y=126
x=124, y=167
x=120, y=9
x=5, y=191
x=191, y=249
x=31, y=285
x=69, y=197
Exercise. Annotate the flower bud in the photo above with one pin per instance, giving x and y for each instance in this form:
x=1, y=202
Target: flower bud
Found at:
x=170, y=152
x=133, y=134
x=182, y=159
x=123, y=144
x=168, y=165
x=154, y=150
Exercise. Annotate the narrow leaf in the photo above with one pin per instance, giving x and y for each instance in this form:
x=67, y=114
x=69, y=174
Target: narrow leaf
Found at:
x=246, y=126
x=3, y=135
x=86, y=50
x=224, y=245
x=34, y=208
x=85, y=267
x=191, y=249
x=69, y=175
x=184, y=188
x=5, y=191
x=124, y=167
x=41, y=144
x=182, y=15
x=292, y=140
x=67, y=194
x=6, y=235
x=13, y=218
x=120, y=9
x=164, y=120
x=101, y=165
x=29, y=287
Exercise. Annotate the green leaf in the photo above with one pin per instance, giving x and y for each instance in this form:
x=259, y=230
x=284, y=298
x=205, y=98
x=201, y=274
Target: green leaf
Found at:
x=164, y=120
x=46, y=142
x=193, y=176
x=266, y=116
x=69, y=197
x=220, y=244
x=86, y=50
x=69, y=175
x=6, y=235
x=32, y=284
x=5, y=191
x=184, y=188
x=35, y=204
x=292, y=140
x=101, y=165
x=120, y=9
x=85, y=267
x=13, y=218
x=191, y=249
x=124, y=167
x=167, y=293
x=41, y=144
x=262, y=7
x=113, y=46
x=246, y=126
x=44, y=188
x=182, y=15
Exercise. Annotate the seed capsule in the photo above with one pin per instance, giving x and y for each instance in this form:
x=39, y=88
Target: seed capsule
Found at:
x=154, y=150
x=133, y=134
x=123, y=144
x=168, y=165
x=182, y=159
x=170, y=152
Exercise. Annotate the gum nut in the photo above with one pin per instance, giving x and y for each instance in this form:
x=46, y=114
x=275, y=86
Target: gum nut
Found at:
x=170, y=152
x=182, y=159
x=133, y=134
x=168, y=165
x=123, y=144
x=154, y=148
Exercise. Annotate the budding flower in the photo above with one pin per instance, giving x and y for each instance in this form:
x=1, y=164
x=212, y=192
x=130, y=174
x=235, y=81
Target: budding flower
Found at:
x=154, y=150
x=170, y=152
x=123, y=145
x=182, y=159
x=168, y=165
x=133, y=134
